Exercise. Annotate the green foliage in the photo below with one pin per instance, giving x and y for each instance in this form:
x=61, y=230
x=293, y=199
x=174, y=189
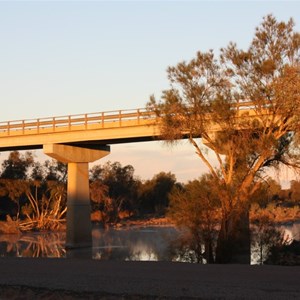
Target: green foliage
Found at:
x=264, y=237
x=122, y=184
x=16, y=165
x=40, y=202
x=153, y=194
x=115, y=190
x=267, y=192
x=204, y=100
x=295, y=191
x=195, y=208
x=102, y=203
x=285, y=254
x=55, y=171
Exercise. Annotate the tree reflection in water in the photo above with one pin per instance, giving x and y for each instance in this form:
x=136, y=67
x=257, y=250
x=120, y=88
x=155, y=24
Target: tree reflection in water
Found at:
x=37, y=244
x=140, y=243
x=137, y=243
x=134, y=243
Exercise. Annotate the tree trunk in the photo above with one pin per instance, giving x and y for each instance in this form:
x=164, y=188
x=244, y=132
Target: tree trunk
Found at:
x=208, y=253
x=233, y=245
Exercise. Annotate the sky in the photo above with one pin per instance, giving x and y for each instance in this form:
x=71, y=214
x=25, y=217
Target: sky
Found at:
x=72, y=57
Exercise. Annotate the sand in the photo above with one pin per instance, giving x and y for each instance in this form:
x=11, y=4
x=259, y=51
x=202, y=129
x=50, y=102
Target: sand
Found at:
x=38, y=278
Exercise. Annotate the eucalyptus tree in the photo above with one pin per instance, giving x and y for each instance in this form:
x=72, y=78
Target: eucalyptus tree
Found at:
x=195, y=208
x=153, y=194
x=55, y=171
x=17, y=165
x=114, y=189
x=207, y=99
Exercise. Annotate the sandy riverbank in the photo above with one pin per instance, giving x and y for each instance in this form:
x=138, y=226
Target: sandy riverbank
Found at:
x=91, y=279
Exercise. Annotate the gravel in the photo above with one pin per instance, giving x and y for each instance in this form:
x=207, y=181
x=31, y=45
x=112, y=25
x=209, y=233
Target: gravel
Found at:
x=50, y=278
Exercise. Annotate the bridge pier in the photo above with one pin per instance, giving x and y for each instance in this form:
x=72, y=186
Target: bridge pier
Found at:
x=79, y=228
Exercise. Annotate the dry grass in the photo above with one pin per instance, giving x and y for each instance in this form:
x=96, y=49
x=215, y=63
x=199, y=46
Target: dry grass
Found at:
x=9, y=226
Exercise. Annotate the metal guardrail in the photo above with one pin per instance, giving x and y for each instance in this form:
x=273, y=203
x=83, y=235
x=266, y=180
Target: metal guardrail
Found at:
x=69, y=122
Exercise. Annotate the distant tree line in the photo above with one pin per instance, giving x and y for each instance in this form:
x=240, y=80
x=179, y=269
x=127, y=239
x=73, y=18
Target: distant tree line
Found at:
x=116, y=192
x=116, y=188
x=30, y=190
x=33, y=197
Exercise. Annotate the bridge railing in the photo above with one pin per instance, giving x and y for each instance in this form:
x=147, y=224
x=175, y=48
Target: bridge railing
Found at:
x=69, y=122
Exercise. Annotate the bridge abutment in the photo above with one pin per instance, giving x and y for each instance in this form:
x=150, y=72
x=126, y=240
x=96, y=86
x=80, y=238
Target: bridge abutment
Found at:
x=79, y=228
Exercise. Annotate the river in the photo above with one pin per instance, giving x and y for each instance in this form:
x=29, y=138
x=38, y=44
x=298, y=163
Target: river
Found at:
x=132, y=243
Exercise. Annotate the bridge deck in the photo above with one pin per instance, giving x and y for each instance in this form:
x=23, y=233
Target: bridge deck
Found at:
x=74, y=122
x=88, y=129
x=132, y=125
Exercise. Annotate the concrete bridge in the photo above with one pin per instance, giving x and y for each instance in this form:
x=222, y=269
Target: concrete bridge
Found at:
x=78, y=140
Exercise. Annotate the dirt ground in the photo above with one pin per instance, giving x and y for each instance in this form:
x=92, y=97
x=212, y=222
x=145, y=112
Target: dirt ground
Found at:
x=35, y=278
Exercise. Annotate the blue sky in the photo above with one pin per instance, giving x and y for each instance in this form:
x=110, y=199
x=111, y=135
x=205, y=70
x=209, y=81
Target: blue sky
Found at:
x=70, y=57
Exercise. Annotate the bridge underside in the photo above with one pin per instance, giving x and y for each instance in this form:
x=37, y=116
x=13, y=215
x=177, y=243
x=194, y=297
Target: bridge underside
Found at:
x=86, y=144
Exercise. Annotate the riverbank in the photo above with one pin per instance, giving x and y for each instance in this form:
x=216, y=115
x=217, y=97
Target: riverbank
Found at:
x=148, y=221
x=276, y=215
x=90, y=279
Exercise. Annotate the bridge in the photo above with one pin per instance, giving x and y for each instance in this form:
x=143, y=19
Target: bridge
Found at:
x=78, y=140
x=84, y=130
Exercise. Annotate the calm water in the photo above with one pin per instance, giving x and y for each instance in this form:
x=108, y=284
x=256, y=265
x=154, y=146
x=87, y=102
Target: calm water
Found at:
x=137, y=243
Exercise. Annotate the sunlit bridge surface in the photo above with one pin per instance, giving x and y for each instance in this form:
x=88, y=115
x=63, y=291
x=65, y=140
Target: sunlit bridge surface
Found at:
x=111, y=127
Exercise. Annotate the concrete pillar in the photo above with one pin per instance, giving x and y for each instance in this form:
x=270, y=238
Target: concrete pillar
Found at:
x=79, y=225
x=79, y=228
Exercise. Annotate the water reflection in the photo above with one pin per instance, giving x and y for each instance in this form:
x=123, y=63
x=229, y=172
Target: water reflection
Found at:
x=140, y=243
x=144, y=243
x=291, y=231
x=135, y=243
x=37, y=244
x=262, y=242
